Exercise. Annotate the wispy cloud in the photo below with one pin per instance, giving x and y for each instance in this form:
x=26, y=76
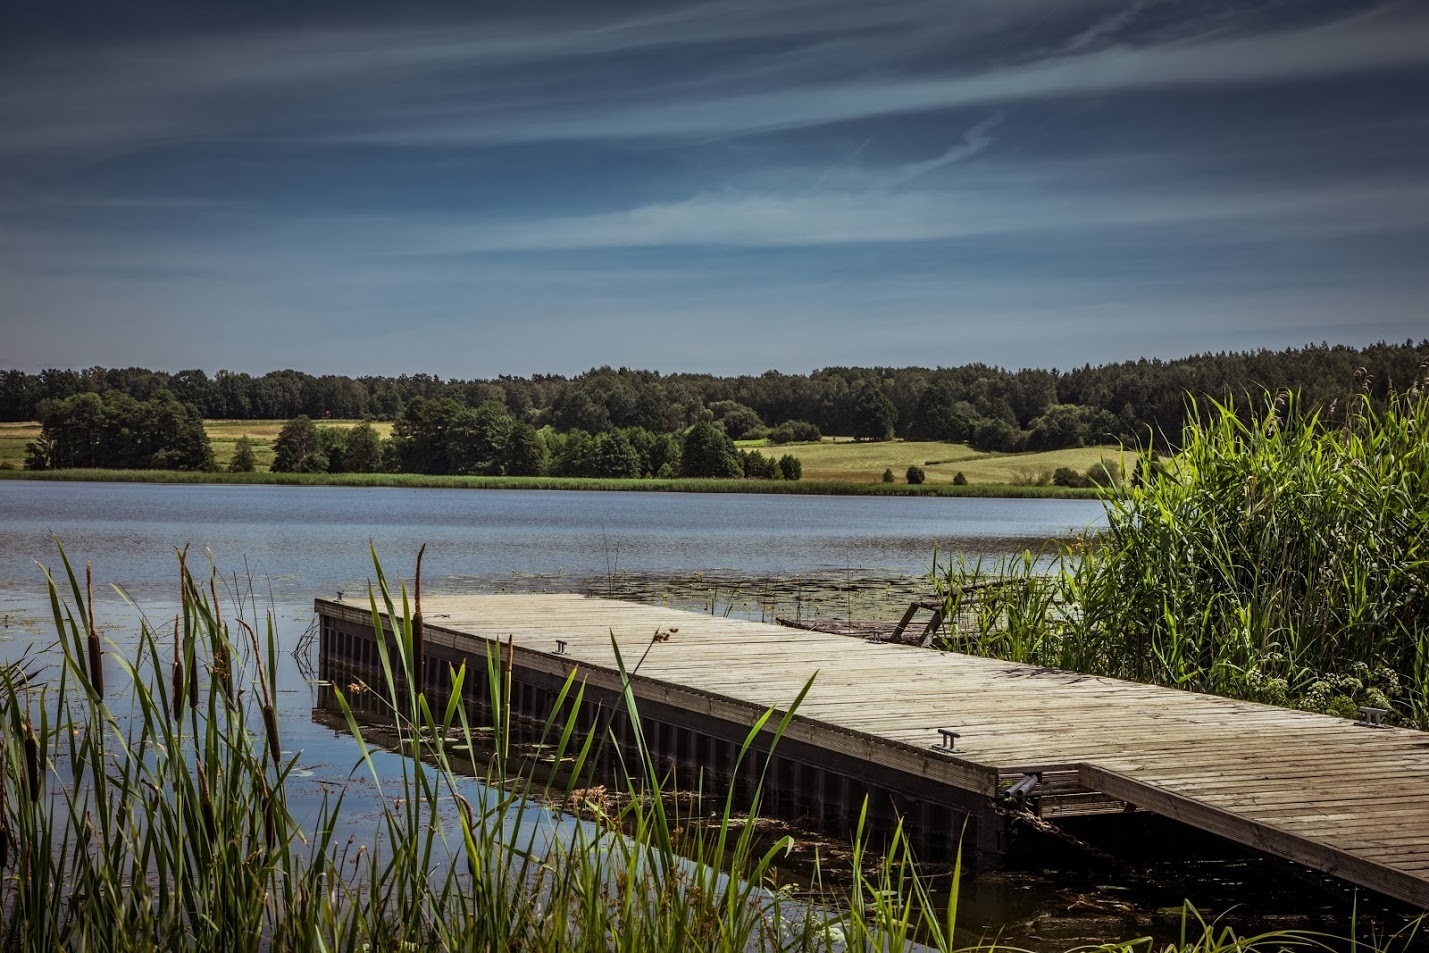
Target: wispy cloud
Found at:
x=974, y=141
x=920, y=215
x=530, y=82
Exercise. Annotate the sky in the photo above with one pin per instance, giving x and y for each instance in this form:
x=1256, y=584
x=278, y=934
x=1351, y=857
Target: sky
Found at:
x=724, y=186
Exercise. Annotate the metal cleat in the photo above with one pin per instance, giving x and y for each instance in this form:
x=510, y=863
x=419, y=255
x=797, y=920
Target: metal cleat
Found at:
x=950, y=740
x=1371, y=717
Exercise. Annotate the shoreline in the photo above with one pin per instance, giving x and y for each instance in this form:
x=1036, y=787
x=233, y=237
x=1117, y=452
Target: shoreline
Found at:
x=684, y=485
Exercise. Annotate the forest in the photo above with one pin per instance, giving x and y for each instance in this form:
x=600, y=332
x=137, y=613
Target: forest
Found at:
x=618, y=422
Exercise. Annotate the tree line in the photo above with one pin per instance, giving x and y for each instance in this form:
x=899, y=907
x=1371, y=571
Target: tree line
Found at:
x=989, y=407
x=442, y=436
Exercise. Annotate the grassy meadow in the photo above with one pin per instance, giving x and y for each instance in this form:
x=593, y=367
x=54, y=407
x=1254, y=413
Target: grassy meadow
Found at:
x=222, y=435
x=842, y=460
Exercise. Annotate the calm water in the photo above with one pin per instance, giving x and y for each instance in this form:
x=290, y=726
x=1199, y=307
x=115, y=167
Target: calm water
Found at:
x=286, y=545
x=307, y=541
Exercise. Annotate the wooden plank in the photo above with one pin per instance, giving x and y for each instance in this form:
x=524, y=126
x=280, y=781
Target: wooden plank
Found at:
x=1267, y=838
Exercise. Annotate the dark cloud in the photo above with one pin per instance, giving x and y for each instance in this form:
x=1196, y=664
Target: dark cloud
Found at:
x=1161, y=176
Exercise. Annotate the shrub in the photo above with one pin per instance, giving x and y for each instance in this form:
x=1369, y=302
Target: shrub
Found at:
x=790, y=468
x=1066, y=476
x=959, y=479
x=888, y=475
x=915, y=476
x=795, y=431
x=244, y=459
x=1104, y=474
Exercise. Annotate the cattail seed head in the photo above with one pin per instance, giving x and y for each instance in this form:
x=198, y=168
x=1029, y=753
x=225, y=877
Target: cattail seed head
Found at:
x=178, y=689
x=32, y=762
x=270, y=724
x=96, y=654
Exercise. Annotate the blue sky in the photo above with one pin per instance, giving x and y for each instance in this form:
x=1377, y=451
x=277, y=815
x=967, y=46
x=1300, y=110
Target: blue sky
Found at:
x=724, y=186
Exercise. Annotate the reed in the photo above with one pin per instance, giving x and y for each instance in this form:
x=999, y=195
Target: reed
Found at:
x=157, y=816
x=1282, y=559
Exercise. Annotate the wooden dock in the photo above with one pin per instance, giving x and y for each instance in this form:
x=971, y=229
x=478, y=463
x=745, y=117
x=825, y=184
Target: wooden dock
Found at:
x=1347, y=800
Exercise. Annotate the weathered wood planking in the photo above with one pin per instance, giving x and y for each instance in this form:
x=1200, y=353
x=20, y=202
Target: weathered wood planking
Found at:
x=1347, y=800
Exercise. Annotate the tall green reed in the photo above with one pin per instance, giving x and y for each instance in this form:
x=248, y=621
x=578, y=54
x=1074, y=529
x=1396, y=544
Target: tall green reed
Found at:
x=1280, y=559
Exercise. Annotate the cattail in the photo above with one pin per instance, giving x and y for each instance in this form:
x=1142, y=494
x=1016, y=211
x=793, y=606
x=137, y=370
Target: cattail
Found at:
x=270, y=818
x=223, y=670
x=177, y=675
x=178, y=689
x=270, y=724
x=193, y=689
x=32, y=762
x=205, y=801
x=96, y=655
x=419, y=662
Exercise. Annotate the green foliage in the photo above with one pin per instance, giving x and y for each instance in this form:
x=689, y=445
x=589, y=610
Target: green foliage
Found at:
x=422, y=435
x=790, y=468
x=1070, y=425
x=874, y=414
x=915, y=476
x=244, y=460
x=363, y=450
x=525, y=452
x=1105, y=474
x=1066, y=476
x=888, y=475
x=795, y=431
x=298, y=449
x=757, y=466
x=1283, y=561
x=116, y=431
x=959, y=479
x=709, y=452
x=996, y=435
x=1126, y=401
x=612, y=455
x=735, y=418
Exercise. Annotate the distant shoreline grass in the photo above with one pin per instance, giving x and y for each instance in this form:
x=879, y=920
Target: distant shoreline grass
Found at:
x=418, y=480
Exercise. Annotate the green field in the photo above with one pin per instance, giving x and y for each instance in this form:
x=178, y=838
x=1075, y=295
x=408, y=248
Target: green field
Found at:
x=222, y=434
x=843, y=460
x=835, y=461
x=13, y=438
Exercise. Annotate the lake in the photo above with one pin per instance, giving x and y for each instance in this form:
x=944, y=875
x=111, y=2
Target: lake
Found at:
x=308, y=541
x=282, y=546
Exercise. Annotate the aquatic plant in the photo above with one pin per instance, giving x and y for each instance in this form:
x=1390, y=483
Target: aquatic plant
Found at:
x=1281, y=560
